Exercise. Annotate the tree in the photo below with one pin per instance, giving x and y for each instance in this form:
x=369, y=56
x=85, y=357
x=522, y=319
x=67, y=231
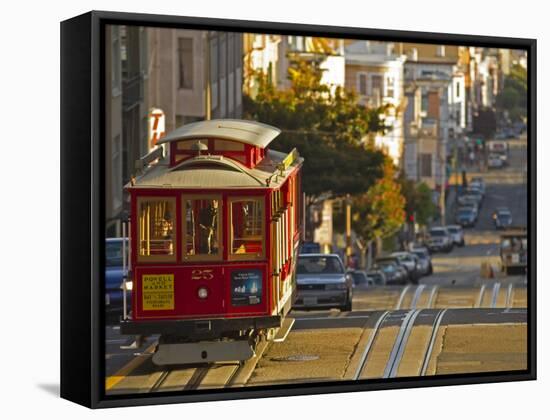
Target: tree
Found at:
x=326, y=126
x=418, y=200
x=513, y=97
x=380, y=212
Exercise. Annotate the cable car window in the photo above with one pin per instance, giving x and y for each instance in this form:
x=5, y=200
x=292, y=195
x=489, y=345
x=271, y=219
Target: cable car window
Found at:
x=156, y=229
x=247, y=228
x=201, y=227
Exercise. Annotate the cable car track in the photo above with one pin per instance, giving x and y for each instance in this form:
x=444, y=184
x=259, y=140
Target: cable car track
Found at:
x=399, y=345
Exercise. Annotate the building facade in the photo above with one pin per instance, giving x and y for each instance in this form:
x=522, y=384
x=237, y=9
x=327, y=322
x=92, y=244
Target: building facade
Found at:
x=376, y=74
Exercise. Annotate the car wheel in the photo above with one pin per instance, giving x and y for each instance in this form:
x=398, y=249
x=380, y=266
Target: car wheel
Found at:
x=430, y=270
x=462, y=243
x=348, y=306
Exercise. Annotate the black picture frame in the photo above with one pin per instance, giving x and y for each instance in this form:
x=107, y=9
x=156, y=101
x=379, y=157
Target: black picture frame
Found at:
x=82, y=207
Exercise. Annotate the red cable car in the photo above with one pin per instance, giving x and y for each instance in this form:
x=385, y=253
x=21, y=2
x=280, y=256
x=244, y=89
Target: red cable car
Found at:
x=215, y=230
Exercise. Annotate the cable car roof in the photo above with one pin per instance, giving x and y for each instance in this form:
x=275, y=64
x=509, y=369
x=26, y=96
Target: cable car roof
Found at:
x=244, y=131
x=209, y=172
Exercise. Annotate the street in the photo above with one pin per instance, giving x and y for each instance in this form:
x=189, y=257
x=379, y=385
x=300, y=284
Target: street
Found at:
x=453, y=321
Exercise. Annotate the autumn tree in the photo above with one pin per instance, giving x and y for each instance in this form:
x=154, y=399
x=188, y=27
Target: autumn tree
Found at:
x=380, y=212
x=418, y=200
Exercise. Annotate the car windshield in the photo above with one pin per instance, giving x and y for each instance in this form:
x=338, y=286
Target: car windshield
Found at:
x=420, y=254
x=113, y=252
x=437, y=232
x=465, y=212
x=387, y=266
x=319, y=265
x=453, y=230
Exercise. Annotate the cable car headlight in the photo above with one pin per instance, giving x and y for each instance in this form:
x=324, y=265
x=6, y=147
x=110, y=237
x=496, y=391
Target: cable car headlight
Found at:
x=202, y=293
x=127, y=285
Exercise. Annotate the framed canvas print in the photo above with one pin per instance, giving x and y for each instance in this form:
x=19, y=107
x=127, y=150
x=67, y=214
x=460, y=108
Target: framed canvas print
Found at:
x=256, y=209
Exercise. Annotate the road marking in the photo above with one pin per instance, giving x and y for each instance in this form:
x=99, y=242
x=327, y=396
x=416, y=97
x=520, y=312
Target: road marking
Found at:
x=416, y=297
x=509, y=295
x=400, y=343
x=432, y=294
x=403, y=293
x=480, y=297
x=496, y=289
x=368, y=347
x=124, y=371
x=429, y=350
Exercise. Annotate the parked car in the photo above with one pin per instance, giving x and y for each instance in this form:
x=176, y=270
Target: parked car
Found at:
x=323, y=283
x=394, y=272
x=114, y=276
x=410, y=262
x=377, y=277
x=494, y=161
x=439, y=239
x=466, y=216
x=424, y=260
x=475, y=192
x=478, y=183
x=457, y=234
x=502, y=219
x=360, y=278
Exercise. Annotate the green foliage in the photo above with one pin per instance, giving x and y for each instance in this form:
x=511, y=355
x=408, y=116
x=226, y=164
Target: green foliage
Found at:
x=513, y=97
x=379, y=212
x=327, y=127
x=418, y=199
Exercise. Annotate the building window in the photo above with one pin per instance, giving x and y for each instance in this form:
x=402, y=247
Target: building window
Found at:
x=440, y=50
x=201, y=227
x=156, y=229
x=457, y=90
x=246, y=228
x=390, y=82
x=362, y=83
x=426, y=165
x=424, y=103
x=376, y=84
x=185, y=54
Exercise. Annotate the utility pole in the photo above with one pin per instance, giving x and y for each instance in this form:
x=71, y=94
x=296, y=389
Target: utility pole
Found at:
x=207, y=83
x=348, y=230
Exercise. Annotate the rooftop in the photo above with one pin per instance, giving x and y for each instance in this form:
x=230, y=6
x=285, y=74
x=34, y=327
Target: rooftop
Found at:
x=243, y=131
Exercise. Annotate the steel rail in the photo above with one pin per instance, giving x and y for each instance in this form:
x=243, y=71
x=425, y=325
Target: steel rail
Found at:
x=480, y=297
x=400, y=344
x=433, y=336
x=418, y=292
x=368, y=347
x=494, y=298
x=401, y=297
x=196, y=379
x=160, y=380
x=509, y=295
x=432, y=295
